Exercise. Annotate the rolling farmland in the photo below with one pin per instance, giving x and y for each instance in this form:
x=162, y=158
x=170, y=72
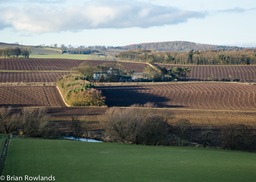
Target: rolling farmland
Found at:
x=31, y=76
x=220, y=96
x=244, y=73
x=181, y=99
x=37, y=64
x=60, y=64
x=21, y=96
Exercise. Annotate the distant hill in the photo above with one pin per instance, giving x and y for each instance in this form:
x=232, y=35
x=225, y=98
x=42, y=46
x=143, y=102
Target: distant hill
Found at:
x=35, y=50
x=179, y=46
x=5, y=45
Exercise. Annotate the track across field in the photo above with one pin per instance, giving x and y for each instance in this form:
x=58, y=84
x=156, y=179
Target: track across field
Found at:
x=211, y=95
x=19, y=96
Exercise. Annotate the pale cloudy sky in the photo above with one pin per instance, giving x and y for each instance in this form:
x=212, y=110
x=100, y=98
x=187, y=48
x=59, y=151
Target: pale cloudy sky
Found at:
x=123, y=22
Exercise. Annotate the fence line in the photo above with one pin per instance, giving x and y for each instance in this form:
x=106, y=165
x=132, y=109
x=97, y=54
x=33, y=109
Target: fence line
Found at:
x=3, y=154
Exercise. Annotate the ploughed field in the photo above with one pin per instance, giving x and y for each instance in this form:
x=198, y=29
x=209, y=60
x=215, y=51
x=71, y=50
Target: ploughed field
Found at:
x=61, y=64
x=244, y=73
x=219, y=96
x=20, y=96
x=31, y=76
x=37, y=64
x=211, y=95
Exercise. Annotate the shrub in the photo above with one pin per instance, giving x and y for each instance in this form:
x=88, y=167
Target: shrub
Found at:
x=153, y=131
x=238, y=137
x=183, y=130
x=34, y=121
x=136, y=126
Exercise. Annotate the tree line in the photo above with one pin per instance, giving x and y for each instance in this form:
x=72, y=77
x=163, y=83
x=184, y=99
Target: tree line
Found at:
x=130, y=125
x=145, y=127
x=15, y=52
x=82, y=49
x=209, y=57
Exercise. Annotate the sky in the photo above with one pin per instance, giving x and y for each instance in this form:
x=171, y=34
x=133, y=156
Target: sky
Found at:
x=124, y=22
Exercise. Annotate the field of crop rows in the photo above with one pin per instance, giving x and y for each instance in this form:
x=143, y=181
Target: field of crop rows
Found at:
x=60, y=64
x=245, y=73
x=38, y=64
x=31, y=76
x=221, y=96
x=30, y=96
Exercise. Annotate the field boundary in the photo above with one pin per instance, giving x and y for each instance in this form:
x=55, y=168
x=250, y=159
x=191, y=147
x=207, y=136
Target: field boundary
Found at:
x=36, y=84
x=4, y=154
x=62, y=97
x=182, y=109
x=37, y=71
x=166, y=83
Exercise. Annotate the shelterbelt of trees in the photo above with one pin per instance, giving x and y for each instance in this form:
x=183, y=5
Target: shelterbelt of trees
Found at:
x=208, y=57
x=14, y=52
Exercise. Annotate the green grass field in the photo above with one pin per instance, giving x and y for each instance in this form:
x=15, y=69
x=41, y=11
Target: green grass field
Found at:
x=77, y=161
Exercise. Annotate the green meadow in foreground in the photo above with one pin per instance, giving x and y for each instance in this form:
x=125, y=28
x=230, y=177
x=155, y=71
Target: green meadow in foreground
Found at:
x=78, y=161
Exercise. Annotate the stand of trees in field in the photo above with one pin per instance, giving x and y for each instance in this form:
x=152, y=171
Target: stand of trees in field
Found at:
x=116, y=73
x=14, y=52
x=156, y=73
x=209, y=57
x=79, y=92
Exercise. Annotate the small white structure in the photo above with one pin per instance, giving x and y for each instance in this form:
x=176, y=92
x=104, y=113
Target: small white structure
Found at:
x=137, y=76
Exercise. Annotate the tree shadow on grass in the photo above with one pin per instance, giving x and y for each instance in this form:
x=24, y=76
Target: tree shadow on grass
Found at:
x=124, y=96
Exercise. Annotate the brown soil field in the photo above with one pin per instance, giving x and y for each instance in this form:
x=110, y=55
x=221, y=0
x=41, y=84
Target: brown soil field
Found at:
x=31, y=76
x=23, y=96
x=60, y=64
x=203, y=103
x=38, y=64
x=245, y=73
x=207, y=95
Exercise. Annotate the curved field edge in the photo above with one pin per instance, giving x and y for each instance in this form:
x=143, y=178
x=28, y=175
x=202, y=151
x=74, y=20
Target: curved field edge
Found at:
x=76, y=161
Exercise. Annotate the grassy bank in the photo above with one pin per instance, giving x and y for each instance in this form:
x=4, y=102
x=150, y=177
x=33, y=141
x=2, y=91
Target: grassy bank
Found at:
x=76, y=161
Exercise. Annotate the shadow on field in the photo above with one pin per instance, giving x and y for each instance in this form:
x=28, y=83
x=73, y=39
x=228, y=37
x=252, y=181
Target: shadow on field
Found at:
x=133, y=95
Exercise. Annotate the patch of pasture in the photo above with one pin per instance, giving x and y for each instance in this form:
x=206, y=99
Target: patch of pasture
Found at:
x=79, y=161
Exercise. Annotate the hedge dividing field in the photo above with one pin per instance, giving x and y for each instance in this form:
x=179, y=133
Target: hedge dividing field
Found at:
x=76, y=161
